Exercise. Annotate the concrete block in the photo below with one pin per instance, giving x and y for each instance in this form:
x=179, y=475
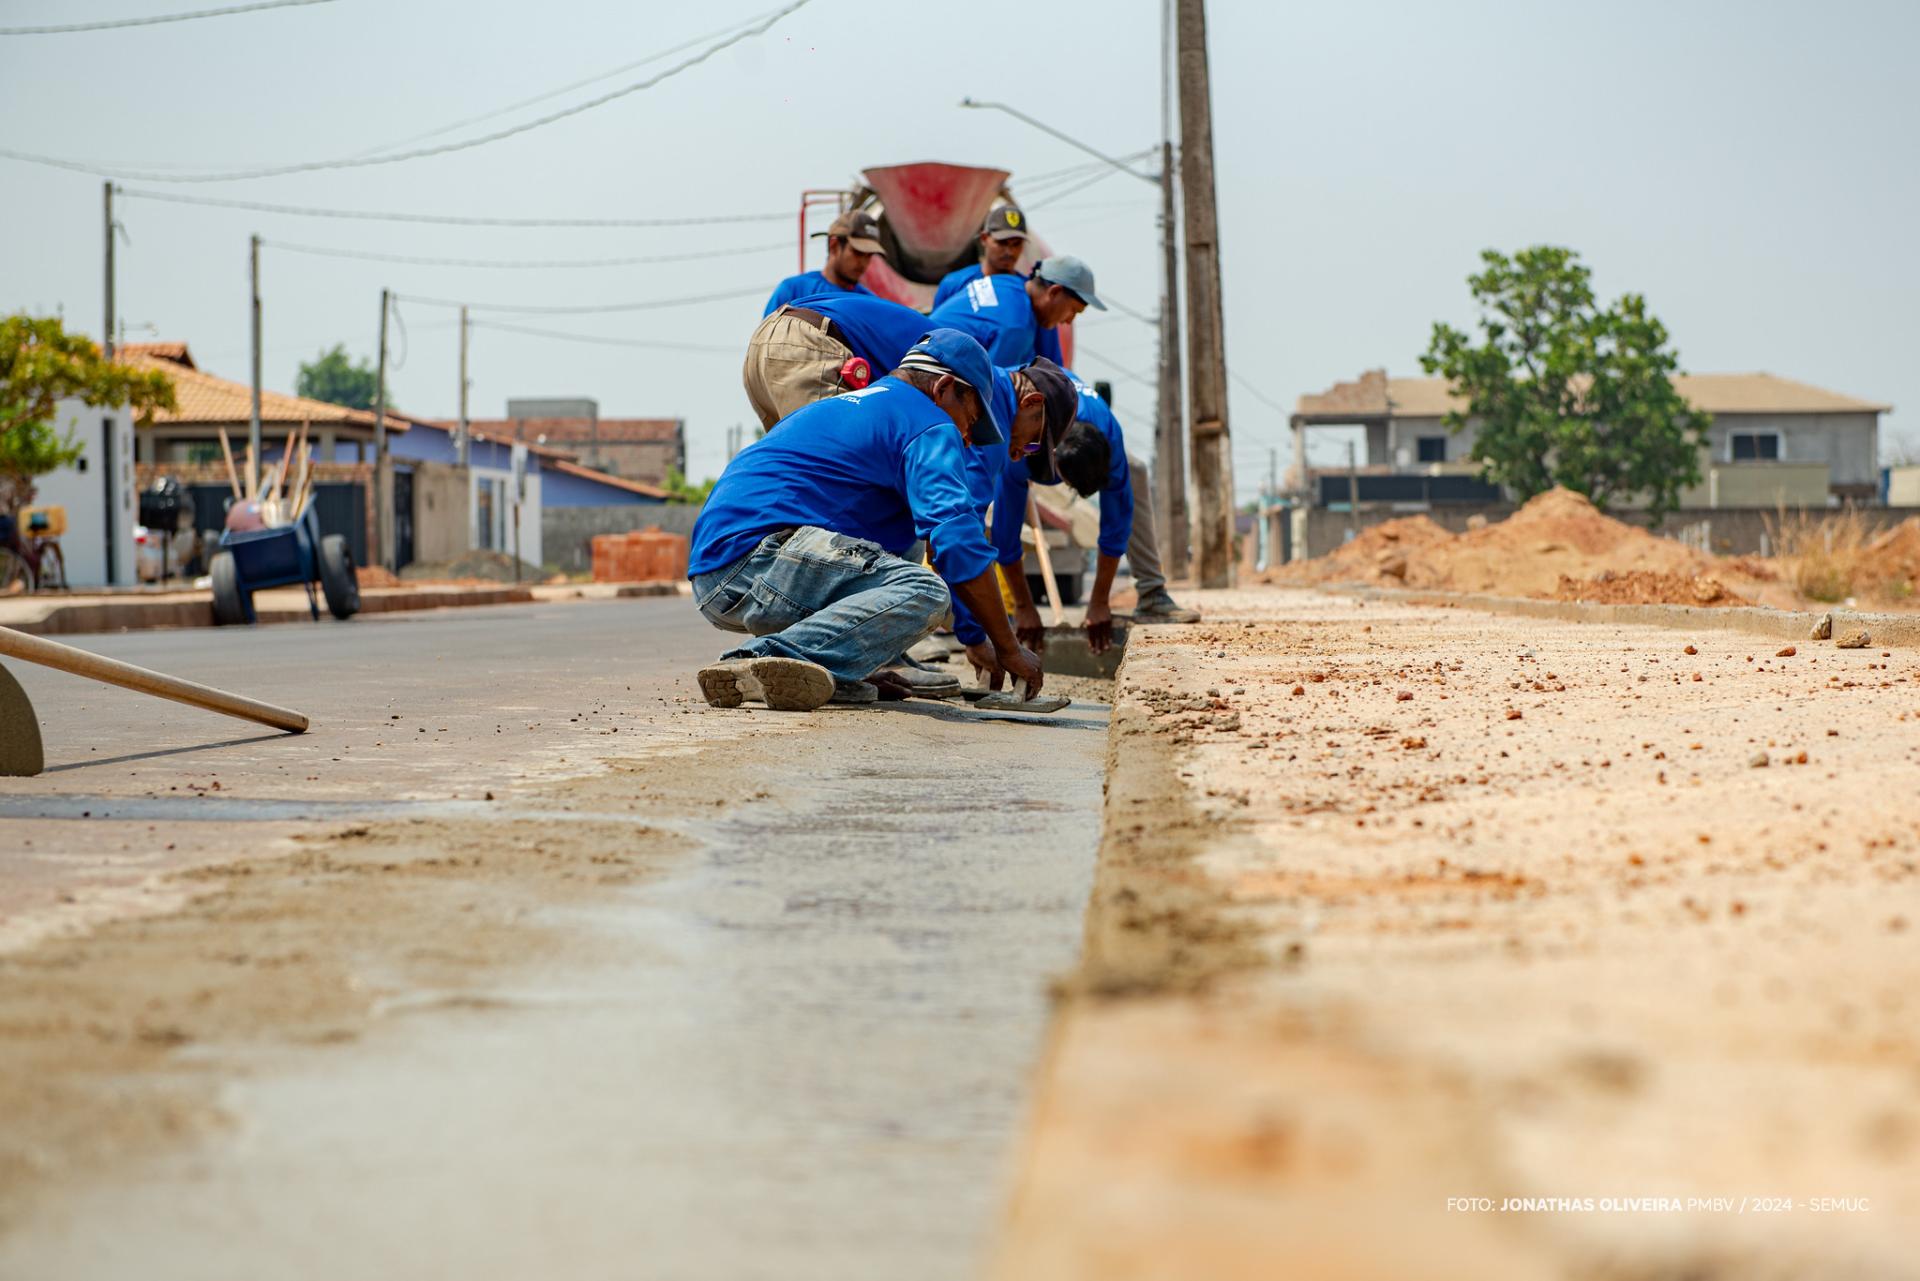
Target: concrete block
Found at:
x=1068, y=655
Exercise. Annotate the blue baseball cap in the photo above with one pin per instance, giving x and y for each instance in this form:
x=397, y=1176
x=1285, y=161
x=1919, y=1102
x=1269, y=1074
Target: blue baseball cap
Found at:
x=959, y=355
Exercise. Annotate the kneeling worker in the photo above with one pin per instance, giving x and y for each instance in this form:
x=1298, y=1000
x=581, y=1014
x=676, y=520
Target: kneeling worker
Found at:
x=799, y=545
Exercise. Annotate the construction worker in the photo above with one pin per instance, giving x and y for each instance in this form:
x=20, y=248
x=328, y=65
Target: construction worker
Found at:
x=852, y=240
x=1095, y=443
x=799, y=544
x=821, y=345
x=1003, y=239
x=1007, y=313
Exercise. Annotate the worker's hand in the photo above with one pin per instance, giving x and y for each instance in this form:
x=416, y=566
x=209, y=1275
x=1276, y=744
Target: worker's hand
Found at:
x=986, y=665
x=1029, y=629
x=1099, y=626
x=1022, y=663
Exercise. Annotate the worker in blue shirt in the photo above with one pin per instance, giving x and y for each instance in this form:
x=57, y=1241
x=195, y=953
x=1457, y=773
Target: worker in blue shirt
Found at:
x=823, y=344
x=1007, y=313
x=1126, y=525
x=799, y=545
x=852, y=240
x=1003, y=241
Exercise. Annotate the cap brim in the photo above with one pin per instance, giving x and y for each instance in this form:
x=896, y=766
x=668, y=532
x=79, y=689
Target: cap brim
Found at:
x=1008, y=233
x=1092, y=300
x=867, y=245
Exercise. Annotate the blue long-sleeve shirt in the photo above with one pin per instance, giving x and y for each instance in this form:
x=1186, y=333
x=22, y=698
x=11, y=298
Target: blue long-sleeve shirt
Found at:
x=1116, y=496
x=996, y=312
x=882, y=464
x=987, y=468
x=1047, y=343
x=876, y=329
x=807, y=283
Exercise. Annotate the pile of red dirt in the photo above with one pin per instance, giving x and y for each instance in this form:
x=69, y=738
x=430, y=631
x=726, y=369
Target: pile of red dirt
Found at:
x=1890, y=564
x=1559, y=534
x=1644, y=587
x=375, y=576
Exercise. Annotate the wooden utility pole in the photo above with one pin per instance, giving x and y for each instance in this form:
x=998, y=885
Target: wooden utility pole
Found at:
x=1206, y=325
x=382, y=479
x=253, y=417
x=460, y=438
x=106, y=342
x=1170, y=449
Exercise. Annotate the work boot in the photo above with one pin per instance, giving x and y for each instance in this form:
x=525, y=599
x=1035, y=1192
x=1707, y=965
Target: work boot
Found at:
x=936, y=648
x=924, y=681
x=854, y=693
x=783, y=684
x=1159, y=608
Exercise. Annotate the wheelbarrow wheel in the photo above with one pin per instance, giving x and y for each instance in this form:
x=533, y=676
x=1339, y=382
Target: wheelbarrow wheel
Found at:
x=337, y=579
x=229, y=605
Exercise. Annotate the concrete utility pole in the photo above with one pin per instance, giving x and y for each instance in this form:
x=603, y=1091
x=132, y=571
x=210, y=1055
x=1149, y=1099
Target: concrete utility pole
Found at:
x=106, y=342
x=253, y=418
x=382, y=479
x=1170, y=447
x=1206, y=325
x=460, y=435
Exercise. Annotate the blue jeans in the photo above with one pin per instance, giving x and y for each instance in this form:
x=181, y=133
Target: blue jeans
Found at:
x=849, y=605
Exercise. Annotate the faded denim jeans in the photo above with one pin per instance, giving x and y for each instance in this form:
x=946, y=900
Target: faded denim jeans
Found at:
x=849, y=605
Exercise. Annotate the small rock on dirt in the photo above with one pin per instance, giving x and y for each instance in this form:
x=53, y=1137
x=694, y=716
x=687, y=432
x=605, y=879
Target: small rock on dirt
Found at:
x=1759, y=761
x=1788, y=652
x=1855, y=639
x=1822, y=628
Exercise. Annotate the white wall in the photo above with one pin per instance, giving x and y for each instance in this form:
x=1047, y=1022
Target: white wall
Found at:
x=94, y=521
x=500, y=536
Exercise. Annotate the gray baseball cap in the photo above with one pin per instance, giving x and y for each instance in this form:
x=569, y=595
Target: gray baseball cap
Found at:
x=1071, y=274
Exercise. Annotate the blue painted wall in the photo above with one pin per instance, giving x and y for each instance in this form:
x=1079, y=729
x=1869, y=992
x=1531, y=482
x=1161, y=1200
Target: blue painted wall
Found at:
x=557, y=489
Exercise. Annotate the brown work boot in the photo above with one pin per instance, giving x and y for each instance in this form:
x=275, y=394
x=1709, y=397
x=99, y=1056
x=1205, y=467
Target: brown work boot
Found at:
x=783, y=684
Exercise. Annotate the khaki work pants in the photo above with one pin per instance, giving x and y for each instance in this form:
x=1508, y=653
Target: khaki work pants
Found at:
x=790, y=364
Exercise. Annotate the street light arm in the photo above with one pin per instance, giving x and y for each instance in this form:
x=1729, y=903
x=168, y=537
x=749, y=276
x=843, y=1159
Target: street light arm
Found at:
x=1154, y=179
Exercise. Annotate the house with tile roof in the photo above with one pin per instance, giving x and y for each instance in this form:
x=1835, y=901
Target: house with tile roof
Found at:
x=642, y=449
x=1771, y=439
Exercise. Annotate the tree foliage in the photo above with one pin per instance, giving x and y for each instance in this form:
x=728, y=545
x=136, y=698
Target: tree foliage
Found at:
x=337, y=380
x=1565, y=392
x=42, y=364
x=680, y=490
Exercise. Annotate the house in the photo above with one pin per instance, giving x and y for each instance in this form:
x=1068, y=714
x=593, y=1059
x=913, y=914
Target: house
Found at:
x=642, y=449
x=1772, y=440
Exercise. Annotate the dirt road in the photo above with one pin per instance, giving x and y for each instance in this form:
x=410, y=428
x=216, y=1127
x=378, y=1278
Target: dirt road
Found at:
x=1433, y=943
x=522, y=963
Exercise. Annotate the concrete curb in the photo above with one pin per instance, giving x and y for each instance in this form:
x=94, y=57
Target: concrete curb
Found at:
x=133, y=614
x=1885, y=630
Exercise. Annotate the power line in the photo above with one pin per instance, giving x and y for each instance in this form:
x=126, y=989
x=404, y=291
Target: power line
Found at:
x=320, y=251
x=754, y=292
x=602, y=340
x=355, y=162
x=569, y=88
x=450, y=220
x=157, y=19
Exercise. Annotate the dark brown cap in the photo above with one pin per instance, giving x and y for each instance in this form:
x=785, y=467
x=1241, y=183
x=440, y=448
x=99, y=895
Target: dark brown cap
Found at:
x=1005, y=223
x=861, y=229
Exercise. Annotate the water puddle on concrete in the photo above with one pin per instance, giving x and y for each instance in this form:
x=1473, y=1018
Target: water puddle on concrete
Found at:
x=806, y=1056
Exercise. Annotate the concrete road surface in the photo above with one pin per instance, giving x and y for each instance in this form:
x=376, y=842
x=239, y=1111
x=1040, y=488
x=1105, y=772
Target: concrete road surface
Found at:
x=522, y=963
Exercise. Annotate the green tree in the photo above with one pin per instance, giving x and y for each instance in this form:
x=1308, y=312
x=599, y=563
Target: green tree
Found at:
x=1565, y=392
x=680, y=491
x=337, y=380
x=42, y=364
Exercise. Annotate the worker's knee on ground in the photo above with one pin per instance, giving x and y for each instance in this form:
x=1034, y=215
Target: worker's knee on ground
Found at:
x=927, y=595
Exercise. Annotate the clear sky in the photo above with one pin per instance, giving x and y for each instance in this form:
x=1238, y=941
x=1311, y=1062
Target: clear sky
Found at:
x=1751, y=167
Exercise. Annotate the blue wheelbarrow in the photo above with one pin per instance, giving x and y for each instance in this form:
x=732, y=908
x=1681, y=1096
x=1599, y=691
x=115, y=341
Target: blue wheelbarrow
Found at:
x=286, y=554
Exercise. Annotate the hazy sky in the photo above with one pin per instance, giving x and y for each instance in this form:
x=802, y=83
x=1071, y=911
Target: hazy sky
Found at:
x=1750, y=167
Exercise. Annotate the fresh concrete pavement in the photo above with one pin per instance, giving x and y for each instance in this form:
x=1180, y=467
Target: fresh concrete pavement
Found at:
x=756, y=995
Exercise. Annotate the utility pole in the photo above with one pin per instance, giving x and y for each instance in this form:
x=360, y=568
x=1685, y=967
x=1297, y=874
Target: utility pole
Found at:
x=106, y=342
x=253, y=418
x=1206, y=324
x=460, y=436
x=382, y=487
x=1170, y=449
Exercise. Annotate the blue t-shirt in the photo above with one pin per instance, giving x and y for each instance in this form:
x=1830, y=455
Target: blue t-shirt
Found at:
x=874, y=328
x=882, y=464
x=996, y=312
x=803, y=285
x=1116, y=496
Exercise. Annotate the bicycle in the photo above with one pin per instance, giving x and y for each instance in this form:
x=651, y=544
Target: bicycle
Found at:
x=33, y=563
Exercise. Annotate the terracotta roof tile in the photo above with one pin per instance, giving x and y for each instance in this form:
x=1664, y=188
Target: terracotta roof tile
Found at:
x=205, y=398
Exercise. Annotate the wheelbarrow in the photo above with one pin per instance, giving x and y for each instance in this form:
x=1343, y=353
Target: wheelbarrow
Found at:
x=253, y=560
